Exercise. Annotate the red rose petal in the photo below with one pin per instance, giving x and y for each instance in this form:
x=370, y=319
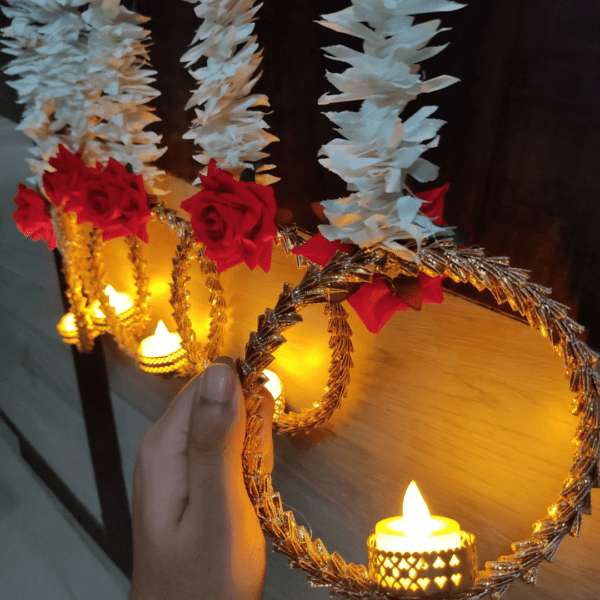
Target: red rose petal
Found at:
x=320, y=250
x=375, y=304
x=245, y=213
x=32, y=217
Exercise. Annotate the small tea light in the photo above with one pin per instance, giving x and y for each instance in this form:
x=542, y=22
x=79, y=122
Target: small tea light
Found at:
x=121, y=303
x=275, y=388
x=67, y=327
x=161, y=352
x=420, y=555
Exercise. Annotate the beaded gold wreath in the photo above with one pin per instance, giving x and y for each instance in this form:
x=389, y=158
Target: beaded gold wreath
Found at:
x=507, y=284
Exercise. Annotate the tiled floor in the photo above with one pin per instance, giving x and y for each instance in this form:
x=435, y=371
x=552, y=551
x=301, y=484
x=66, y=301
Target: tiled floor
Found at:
x=44, y=553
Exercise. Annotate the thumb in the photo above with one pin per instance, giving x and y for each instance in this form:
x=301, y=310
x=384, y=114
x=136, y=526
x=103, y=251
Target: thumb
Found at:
x=216, y=433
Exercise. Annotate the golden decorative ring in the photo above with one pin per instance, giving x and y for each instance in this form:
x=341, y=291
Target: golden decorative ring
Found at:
x=507, y=284
x=340, y=343
x=75, y=266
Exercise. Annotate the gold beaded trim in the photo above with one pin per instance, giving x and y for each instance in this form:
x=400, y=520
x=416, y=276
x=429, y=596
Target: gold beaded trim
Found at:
x=118, y=325
x=339, y=378
x=507, y=284
x=69, y=239
x=341, y=359
x=142, y=309
x=190, y=249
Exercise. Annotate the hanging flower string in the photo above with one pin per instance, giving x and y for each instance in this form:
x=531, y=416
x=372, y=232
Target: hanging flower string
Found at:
x=378, y=150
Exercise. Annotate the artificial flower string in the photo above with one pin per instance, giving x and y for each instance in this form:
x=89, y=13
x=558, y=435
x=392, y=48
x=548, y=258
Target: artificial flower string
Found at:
x=228, y=127
x=83, y=79
x=378, y=150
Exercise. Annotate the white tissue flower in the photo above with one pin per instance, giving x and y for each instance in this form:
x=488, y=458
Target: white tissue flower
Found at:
x=227, y=126
x=378, y=150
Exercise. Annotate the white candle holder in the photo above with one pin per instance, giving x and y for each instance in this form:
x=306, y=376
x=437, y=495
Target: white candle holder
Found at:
x=423, y=574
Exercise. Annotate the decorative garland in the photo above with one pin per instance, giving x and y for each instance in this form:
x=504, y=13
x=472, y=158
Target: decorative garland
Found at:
x=226, y=127
x=83, y=81
x=507, y=284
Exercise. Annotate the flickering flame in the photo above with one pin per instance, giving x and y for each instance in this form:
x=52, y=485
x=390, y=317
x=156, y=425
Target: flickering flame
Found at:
x=69, y=324
x=161, y=333
x=161, y=343
x=120, y=302
x=273, y=384
x=416, y=518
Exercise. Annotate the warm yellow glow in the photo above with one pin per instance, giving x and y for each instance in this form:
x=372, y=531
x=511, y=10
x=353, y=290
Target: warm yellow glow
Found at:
x=162, y=343
x=416, y=530
x=120, y=302
x=273, y=385
x=68, y=323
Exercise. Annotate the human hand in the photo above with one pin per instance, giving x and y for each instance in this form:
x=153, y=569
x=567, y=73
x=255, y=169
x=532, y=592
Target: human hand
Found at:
x=195, y=533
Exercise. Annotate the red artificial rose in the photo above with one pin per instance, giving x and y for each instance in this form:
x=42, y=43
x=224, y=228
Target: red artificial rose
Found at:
x=70, y=171
x=111, y=199
x=235, y=219
x=374, y=302
x=32, y=216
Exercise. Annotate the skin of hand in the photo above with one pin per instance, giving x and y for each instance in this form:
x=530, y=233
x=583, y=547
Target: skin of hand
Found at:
x=195, y=533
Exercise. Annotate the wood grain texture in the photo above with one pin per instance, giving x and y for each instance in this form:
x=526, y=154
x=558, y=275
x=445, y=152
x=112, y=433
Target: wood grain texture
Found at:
x=471, y=404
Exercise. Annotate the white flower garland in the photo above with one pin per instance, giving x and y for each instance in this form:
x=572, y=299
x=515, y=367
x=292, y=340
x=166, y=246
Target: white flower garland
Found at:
x=227, y=127
x=83, y=81
x=49, y=42
x=378, y=150
x=119, y=81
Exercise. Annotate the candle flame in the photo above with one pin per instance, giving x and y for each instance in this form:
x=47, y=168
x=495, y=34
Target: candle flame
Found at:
x=69, y=323
x=120, y=302
x=112, y=294
x=273, y=384
x=161, y=333
x=416, y=518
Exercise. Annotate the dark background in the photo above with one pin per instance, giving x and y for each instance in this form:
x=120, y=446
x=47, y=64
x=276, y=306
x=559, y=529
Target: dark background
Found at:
x=521, y=146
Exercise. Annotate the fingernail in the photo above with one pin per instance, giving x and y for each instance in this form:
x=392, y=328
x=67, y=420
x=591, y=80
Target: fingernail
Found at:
x=219, y=383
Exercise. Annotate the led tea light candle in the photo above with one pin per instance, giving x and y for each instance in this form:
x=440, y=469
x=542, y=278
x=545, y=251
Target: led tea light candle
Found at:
x=275, y=388
x=161, y=352
x=420, y=555
x=122, y=304
x=67, y=327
